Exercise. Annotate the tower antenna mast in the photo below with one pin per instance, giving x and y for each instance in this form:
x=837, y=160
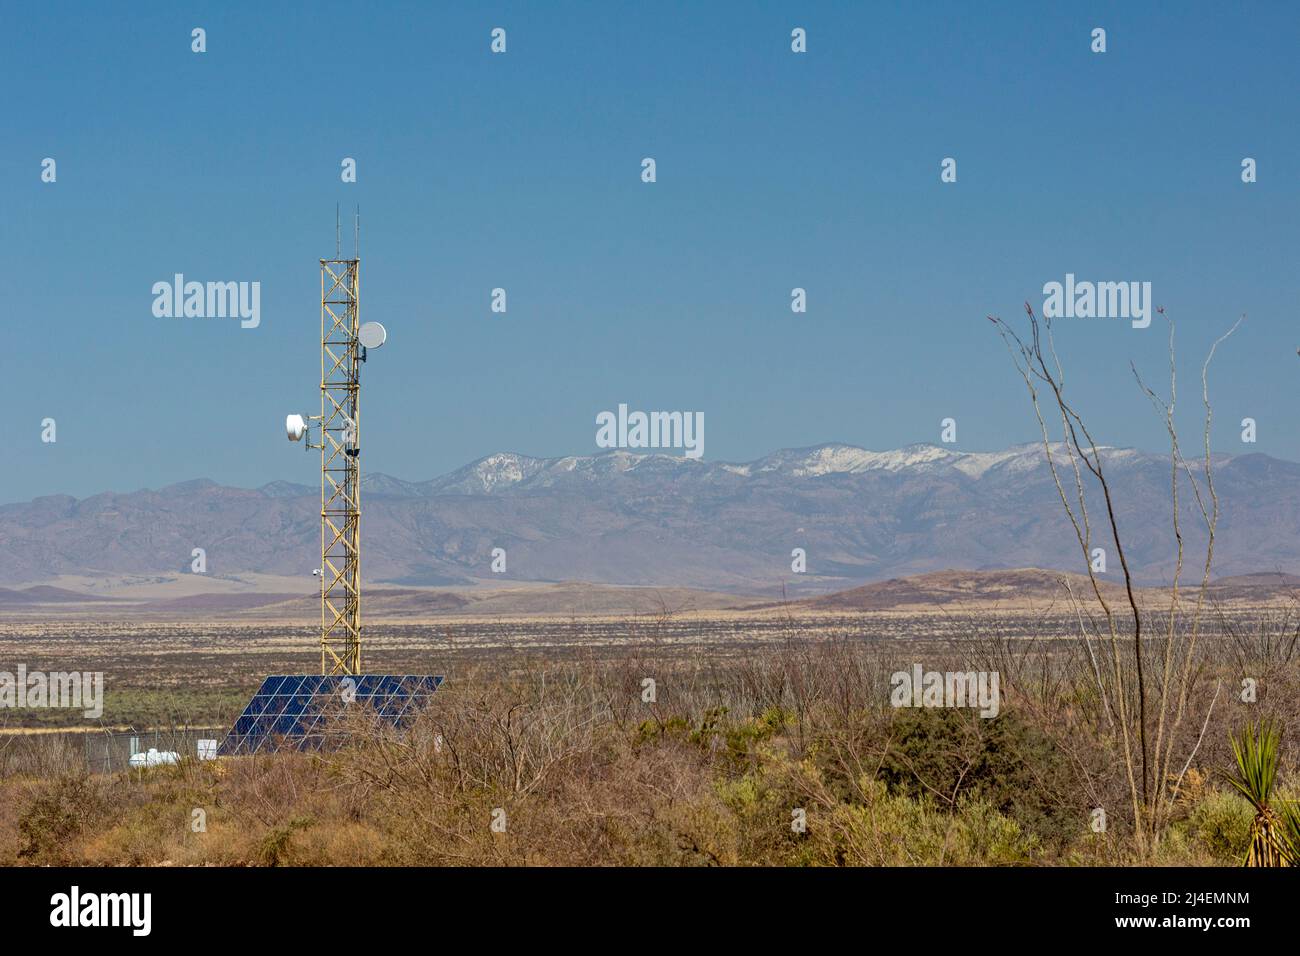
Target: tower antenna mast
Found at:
x=344, y=344
x=340, y=484
x=298, y=710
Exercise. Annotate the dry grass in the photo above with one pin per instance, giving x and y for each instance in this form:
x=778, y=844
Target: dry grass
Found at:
x=576, y=768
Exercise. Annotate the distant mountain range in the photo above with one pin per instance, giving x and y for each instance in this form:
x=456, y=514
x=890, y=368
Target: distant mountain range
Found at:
x=654, y=519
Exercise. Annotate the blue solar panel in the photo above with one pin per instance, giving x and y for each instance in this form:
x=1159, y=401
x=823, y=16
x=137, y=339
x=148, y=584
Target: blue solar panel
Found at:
x=308, y=711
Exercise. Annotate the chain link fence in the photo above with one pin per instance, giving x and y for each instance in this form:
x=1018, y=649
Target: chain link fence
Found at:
x=112, y=751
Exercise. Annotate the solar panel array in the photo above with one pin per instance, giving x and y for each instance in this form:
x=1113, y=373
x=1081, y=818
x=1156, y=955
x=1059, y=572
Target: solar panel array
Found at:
x=315, y=711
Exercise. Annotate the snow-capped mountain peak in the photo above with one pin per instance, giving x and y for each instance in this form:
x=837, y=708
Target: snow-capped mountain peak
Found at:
x=507, y=471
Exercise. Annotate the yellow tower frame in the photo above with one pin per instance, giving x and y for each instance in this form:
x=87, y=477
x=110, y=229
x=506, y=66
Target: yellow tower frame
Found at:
x=340, y=484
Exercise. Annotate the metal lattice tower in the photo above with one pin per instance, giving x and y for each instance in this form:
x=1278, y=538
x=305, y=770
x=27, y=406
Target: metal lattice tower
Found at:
x=340, y=483
x=298, y=709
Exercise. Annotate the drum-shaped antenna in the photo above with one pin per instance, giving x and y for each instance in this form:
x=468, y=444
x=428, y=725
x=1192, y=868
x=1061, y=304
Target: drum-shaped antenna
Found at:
x=371, y=335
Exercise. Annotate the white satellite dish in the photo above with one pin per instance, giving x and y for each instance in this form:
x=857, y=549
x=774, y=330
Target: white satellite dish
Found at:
x=371, y=335
x=295, y=427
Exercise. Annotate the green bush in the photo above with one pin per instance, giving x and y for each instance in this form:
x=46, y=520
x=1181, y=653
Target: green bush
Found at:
x=895, y=830
x=1221, y=823
x=1011, y=766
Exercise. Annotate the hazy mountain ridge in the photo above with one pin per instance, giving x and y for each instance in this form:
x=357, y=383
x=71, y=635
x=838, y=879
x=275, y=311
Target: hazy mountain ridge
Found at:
x=664, y=520
x=504, y=472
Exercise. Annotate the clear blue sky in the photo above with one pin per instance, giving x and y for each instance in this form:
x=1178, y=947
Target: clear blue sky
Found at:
x=522, y=170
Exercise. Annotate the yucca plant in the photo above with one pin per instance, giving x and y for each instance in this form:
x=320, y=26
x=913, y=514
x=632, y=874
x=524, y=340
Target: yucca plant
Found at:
x=1275, y=831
